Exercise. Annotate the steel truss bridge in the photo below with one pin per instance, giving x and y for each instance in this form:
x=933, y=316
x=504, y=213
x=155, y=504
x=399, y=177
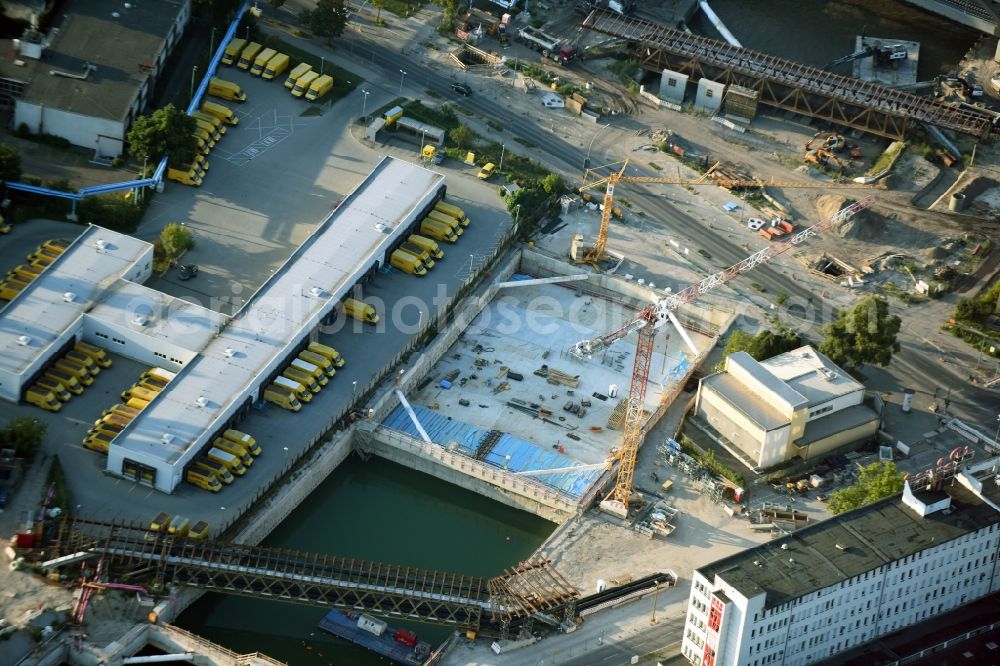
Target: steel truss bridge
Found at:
x=788, y=85
x=531, y=589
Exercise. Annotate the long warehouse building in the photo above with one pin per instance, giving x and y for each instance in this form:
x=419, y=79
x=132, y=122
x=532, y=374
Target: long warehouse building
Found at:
x=218, y=387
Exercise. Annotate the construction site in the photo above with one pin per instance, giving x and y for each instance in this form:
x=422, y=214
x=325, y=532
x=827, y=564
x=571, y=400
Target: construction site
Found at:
x=563, y=378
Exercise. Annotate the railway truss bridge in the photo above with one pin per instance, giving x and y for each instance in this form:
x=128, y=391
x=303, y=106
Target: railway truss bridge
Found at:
x=531, y=590
x=789, y=85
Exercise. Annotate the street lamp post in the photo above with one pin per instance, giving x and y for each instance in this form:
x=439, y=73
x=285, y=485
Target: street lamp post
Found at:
x=211, y=44
x=364, y=105
x=586, y=162
x=402, y=75
x=354, y=387
x=194, y=71
x=500, y=168
x=322, y=64
x=997, y=437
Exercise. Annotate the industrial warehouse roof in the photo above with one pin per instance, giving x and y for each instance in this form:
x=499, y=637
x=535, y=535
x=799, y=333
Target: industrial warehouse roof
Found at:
x=811, y=374
x=183, y=324
x=850, y=544
x=320, y=271
x=121, y=40
x=69, y=287
x=766, y=378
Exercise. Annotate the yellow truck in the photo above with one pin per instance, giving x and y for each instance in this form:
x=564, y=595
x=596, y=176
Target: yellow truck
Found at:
x=43, y=398
x=179, y=526
x=69, y=382
x=406, y=262
x=233, y=50
x=297, y=73
x=98, y=441
x=261, y=60
x=226, y=90
x=276, y=66
x=248, y=55
x=198, y=531
x=427, y=244
x=43, y=383
x=438, y=231
x=221, y=471
x=203, y=479
x=218, y=126
x=77, y=371
x=221, y=111
x=454, y=211
x=9, y=290
x=447, y=220
x=282, y=398
x=99, y=356
x=303, y=83
x=302, y=377
x=204, y=135
x=360, y=311
x=329, y=352
x=421, y=253
x=319, y=87
x=209, y=128
x=138, y=392
x=235, y=449
x=321, y=362
x=311, y=369
x=300, y=391
x=24, y=272
x=84, y=360
x=244, y=440
x=228, y=459
x=184, y=176
x=160, y=373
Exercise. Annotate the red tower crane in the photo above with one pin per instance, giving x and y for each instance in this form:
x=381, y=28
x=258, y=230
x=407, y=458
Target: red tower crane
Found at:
x=648, y=320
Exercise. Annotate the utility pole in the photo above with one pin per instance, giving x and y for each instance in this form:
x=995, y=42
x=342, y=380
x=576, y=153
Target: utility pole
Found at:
x=194, y=70
x=500, y=168
x=364, y=105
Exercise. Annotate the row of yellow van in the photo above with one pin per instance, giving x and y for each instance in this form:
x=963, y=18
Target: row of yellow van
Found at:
x=67, y=376
x=176, y=526
x=269, y=64
x=304, y=376
x=134, y=399
x=230, y=454
x=210, y=127
x=19, y=276
x=417, y=254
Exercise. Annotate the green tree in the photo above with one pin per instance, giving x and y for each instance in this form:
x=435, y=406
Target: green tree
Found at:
x=878, y=480
x=10, y=162
x=24, y=435
x=176, y=239
x=328, y=19
x=462, y=137
x=378, y=4
x=765, y=344
x=167, y=131
x=553, y=184
x=863, y=334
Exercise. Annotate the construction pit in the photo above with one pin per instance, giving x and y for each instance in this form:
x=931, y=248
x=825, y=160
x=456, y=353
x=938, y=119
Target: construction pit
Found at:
x=511, y=393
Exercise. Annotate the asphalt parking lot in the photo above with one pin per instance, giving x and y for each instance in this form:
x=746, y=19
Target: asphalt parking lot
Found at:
x=272, y=179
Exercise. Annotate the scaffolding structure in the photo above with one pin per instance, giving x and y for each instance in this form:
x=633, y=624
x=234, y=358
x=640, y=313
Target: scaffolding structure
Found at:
x=788, y=85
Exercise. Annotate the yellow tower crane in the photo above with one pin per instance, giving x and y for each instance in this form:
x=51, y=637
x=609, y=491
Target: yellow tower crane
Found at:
x=595, y=254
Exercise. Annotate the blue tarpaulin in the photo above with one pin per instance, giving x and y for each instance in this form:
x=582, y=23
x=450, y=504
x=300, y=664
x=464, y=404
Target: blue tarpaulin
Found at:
x=524, y=455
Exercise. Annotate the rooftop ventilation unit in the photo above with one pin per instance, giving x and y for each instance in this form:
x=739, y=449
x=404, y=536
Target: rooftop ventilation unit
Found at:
x=202, y=401
x=101, y=244
x=784, y=546
x=69, y=296
x=317, y=292
x=230, y=352
x=167, y=438
x=140, y=320
x=23, y=340
x=840, y=546
x=382, y=228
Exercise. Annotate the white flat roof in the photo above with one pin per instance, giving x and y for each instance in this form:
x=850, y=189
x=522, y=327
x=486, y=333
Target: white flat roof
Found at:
x=174, y=320
x=812, y=374
x=41, y=312
x=768, y=379
x=332, y=259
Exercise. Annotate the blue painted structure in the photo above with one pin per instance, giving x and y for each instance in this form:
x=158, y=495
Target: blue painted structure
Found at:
x=524, y=455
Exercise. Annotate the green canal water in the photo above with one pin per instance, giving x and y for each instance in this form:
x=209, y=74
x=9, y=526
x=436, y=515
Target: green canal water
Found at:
x=379, y=511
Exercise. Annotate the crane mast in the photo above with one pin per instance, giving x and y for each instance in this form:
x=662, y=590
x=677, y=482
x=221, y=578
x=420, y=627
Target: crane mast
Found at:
x=651, y=318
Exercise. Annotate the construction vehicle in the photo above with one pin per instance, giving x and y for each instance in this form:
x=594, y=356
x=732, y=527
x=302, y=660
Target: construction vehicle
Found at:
x=882, y=55
x=646, y=323
x=549, y=46
x=597, y=253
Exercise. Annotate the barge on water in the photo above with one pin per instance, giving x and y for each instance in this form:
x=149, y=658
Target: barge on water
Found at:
x=399, y=645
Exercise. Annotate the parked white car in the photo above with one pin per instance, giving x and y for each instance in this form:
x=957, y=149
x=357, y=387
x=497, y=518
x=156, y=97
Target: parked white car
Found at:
x=755, y=223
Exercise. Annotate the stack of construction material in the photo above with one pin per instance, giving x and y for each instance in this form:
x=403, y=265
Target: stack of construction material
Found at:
x=617, y=415
x=564, y=378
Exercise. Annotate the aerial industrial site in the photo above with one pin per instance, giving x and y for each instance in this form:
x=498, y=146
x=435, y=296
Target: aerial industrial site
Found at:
x=593, y=332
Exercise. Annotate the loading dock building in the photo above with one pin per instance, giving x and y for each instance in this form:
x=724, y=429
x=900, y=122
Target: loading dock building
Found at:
x=797, y=404
x=217, y=387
